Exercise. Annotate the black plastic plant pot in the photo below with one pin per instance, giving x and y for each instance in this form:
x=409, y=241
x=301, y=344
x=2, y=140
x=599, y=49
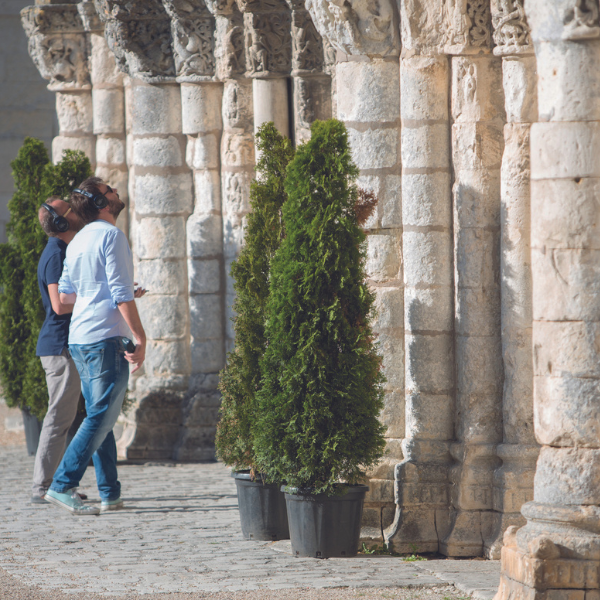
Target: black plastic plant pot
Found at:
x=325, y=526
x=262, y=508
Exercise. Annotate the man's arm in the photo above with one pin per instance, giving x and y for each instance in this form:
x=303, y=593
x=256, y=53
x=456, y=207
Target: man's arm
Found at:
x=130, y=313
x=60, y=306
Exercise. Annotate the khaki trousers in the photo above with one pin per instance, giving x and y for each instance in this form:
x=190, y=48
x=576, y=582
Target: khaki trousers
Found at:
x=64, y=389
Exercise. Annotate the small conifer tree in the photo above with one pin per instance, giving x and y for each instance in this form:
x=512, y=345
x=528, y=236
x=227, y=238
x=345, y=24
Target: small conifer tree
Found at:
x=21, y=311
x=240, y=379
x=321, y=388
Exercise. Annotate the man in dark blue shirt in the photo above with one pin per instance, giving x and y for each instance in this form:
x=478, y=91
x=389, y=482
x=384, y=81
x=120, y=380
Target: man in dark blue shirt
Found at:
x=64, y=385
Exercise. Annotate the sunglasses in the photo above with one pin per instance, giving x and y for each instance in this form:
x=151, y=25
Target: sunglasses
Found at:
x=68, y=211
x=109, y=190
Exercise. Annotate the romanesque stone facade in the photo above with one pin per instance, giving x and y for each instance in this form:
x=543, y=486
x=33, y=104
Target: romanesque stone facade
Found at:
x=484, y=272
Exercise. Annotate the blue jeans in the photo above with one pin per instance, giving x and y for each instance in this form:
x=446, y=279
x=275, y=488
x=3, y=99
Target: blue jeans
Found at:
x=104, y=374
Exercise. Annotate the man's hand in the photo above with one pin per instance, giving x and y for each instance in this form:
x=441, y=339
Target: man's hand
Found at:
x=138, y=356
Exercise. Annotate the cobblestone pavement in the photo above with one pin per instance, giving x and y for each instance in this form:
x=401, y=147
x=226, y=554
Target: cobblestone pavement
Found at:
x=180, y=533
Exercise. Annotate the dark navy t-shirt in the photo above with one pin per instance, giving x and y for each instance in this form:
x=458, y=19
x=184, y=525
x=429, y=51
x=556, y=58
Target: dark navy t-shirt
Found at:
x=54, y=335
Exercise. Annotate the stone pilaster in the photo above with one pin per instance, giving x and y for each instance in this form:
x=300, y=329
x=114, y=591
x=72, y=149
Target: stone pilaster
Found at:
x=368, y=102
x=422, y=477
x=557, y=553
x=477, y=145
x=268, y=47
x=139, y=35
x=108, y=109
x=311, y=86
x=513, y=480
x=59, y=48
x=237, y=146
x=193, y=31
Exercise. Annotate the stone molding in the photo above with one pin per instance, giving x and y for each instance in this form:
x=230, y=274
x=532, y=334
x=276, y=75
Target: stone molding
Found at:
x=193, y=32
x=139, y=34
x=358, y=27
x=57, y=45
x=511, y=31
x=267, y=38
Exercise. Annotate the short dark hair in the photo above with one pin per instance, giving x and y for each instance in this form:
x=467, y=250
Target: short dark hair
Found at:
x=83, y=206
x=46, y=219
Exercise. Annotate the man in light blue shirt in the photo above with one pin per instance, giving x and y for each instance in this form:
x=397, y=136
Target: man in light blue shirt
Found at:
x=98, y=279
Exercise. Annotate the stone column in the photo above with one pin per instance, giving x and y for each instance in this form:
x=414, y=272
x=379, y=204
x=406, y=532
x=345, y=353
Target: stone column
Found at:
x=193, y=31
x=59, y=48
x=477, y=106
x=513, y=480
x=368, y=101
x=422, y=477
x=268, y=44
x=139, y=35
x=310, y=84
x=557, y=553
x=237, y=145
x=108, y=109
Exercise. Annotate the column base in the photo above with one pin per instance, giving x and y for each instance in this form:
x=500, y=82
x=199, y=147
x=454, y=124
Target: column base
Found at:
x=466, y=536
x=492, y=542
x=417, y=530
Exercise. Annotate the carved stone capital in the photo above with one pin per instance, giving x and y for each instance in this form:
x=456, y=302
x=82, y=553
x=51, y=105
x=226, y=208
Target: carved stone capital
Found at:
x=307, y=44
x=229, y=38
x=268, y=39
x=511, y=31
x=57, y=44
x=139, y=34
x=358, y=27
x=581, y=20
x=89, y=17
x=467, y=26
x=193, y=31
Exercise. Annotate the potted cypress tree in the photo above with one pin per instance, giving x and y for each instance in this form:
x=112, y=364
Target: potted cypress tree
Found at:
x=262, y=507
x=21, y=311
x=321, y=391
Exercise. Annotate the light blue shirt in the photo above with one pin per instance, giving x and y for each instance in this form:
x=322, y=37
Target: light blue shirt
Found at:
x=98, y=268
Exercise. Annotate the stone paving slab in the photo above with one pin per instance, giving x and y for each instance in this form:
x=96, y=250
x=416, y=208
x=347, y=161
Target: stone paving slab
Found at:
x=180, y=532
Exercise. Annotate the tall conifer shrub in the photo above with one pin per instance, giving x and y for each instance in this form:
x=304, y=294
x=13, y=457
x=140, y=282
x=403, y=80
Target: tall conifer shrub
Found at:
x=21, y=311
x=240, y=379
x=322, y=381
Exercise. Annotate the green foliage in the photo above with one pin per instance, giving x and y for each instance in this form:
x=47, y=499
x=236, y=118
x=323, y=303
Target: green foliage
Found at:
x=322, y=382
x=21, y=311
x=240, y=379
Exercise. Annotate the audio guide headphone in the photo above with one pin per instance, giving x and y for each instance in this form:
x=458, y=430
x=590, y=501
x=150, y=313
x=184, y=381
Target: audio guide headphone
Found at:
x=99, y=200
x=59, y=222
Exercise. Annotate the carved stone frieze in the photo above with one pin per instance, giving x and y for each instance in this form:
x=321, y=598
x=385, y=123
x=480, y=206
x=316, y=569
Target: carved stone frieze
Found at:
x=511, y=31
x=357, y=27
x=581, y=21
x=467, y=26
x=57, y=44
x=307, y=44
x=139, y=34
x=303, y=101
x=193, y=31
x=268, y=44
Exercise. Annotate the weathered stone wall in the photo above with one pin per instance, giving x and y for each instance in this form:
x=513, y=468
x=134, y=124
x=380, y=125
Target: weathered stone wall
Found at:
x=439, y=98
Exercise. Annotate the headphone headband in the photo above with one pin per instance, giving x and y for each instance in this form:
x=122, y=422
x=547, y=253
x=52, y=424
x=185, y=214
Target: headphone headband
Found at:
x=59, y=222
x=99, y=200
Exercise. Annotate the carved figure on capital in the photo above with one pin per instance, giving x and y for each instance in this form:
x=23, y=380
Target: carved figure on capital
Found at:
x=139, y=34
x=268, y=44
x=581, y=20
x=357, y=27
x=467, y=24
x=307, y=44
x=229, y=38
x=193, y=28
x=57, y=44
x=511, y=31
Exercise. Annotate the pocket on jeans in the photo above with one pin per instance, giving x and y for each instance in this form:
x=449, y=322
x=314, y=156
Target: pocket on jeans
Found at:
x=94, y=361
